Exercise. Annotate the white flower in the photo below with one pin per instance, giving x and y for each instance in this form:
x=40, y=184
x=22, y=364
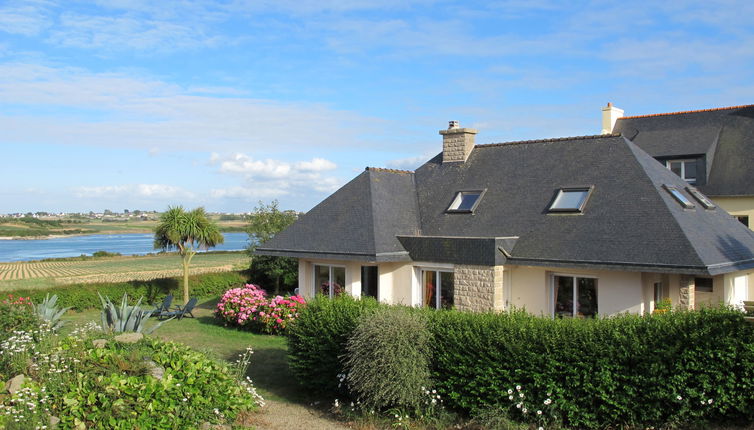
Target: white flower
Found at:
x=524, y=410
x=518, y=387
x=539, y=412
x=709, y=401
x=518, y=405
x=521, y=395
x=679, y=398
x=510, y=397
x=547, y=401
x=510, y=391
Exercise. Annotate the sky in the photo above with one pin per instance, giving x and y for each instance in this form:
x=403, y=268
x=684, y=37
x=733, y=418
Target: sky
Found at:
x=138, y=104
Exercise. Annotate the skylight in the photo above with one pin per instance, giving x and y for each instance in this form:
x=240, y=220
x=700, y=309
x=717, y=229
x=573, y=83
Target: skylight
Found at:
x=465, y=201
x=679, y=197
x=570, y=199
x=701, y=198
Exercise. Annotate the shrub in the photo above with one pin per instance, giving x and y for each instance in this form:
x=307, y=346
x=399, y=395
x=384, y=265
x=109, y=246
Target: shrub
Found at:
x=249, y=307
x=117, y=387
x=623, y=371
x=16, y=313
x=317, y=341
x=84, y=296
x=388, y=359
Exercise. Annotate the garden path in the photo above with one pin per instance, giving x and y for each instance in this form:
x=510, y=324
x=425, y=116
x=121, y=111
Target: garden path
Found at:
x=286, y=416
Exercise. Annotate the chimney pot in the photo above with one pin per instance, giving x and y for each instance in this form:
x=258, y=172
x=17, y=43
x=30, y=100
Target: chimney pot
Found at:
x=453, y=124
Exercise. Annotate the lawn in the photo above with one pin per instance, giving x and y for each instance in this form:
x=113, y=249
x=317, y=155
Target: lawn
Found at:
x=269, y=367
x=46, y=274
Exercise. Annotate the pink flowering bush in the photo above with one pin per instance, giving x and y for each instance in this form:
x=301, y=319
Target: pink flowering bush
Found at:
x=249, y=307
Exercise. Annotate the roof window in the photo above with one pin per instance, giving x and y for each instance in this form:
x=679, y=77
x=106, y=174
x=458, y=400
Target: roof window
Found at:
x=701, y=198
x=679, y=197
x=570, y=199
x=465, y=201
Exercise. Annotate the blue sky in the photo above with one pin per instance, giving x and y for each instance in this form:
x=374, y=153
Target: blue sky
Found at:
x=131, y=104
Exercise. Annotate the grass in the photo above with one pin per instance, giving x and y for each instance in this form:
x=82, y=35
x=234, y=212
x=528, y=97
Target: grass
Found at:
x=46, y=274
x=269, y=367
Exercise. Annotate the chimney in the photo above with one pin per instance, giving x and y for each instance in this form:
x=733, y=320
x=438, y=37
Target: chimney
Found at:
x=610, y=114
x=457, y=142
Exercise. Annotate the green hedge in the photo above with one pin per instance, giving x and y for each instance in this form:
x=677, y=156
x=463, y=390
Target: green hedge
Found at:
x=84, y=296
x=624, y=371
x=318, y=338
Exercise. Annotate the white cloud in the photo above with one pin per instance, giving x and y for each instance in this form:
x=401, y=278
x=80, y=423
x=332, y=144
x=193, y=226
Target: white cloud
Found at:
x=410, y=163
x=265, y=178
x=123, y=110
x=26, y=18
x=135, y=191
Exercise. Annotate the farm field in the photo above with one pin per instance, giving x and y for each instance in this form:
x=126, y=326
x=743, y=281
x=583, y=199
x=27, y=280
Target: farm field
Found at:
x=21, y=229
x=45, y=274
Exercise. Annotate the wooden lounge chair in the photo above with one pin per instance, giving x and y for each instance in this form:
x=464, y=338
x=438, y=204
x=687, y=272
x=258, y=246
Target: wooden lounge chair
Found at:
x=164, y=306
x=181, y=312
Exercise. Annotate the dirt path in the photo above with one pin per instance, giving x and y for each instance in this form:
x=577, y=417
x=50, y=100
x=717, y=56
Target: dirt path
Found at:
x=288, y=416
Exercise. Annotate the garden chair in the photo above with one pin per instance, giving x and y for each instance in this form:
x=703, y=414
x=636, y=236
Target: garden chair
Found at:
x=181, y=312
x=164, y=306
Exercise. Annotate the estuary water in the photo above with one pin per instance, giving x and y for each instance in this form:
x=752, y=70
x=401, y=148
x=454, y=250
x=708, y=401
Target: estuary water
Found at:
x=73, y=246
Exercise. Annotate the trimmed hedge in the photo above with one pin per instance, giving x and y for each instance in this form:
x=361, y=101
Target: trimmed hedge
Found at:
x=678, y=368
x=317, y=340
x=84, y=296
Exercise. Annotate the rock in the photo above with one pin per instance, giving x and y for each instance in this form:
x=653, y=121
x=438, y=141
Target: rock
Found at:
x=15, y=384
x=207, y=426
x=54, y=421
x=156, y=371
x=128, y=337
x=99, y=343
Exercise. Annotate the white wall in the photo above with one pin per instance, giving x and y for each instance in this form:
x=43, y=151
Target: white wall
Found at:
x=617, y=292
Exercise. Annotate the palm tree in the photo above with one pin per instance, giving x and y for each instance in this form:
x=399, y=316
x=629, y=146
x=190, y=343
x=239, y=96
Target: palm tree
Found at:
x=188, y=232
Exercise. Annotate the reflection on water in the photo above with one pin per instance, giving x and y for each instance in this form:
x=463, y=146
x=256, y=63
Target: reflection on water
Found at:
x=73, y=246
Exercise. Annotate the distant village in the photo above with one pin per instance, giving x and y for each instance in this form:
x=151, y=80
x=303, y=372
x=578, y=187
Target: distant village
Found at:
x=110, y=216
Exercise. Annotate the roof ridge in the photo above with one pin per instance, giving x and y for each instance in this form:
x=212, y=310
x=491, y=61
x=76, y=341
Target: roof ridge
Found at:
x=382, y=169
x=685, y=111
x=555, y=139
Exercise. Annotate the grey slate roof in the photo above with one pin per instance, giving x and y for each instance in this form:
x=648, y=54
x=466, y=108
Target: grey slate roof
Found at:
x=360, y=221
x=723, y=137
x=629, y=222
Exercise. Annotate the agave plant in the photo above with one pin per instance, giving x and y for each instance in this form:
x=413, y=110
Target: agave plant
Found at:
x=125, y=318
x=48, y=311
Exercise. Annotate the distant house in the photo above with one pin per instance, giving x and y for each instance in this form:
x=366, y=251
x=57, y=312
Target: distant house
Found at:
x=712, y=149
x=574, y=226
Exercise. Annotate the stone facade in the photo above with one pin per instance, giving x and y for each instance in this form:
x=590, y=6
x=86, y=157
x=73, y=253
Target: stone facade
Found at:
x=478, y=288
x=687, y=293
x=457, y=144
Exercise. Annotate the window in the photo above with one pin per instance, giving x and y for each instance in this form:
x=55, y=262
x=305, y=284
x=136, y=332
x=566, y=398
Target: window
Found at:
x=686, y=169
x=466, y=201
x=329, y=280
x=438, y=290
x=744, y=219
x=701, y=198
x=703, y=285
x=369, y=280
x=574, y=296
x=570, y=199
x=679, y=197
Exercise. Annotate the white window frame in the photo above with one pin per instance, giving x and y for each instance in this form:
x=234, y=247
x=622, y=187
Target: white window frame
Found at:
x=575, y=291
x=456, y=203
x=683, y=162
x=329, y=277
x=565, y=190
x=438, y=285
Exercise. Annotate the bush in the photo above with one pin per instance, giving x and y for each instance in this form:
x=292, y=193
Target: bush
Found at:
x=678, y=368
x=84, y=296
x=16, y=313
x=317, y=341
x=388, y=359
x=249, y=307
x=150, y=385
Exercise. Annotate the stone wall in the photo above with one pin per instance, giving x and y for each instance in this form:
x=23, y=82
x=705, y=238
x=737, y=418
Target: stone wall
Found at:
x=478, y=288
x=457, y=144
x=687, y=293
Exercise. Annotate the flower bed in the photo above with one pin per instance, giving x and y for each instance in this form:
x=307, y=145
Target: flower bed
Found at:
x=250, y=308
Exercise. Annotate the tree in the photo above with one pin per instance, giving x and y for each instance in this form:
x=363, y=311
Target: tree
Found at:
x=188, y=232
x=264, y=223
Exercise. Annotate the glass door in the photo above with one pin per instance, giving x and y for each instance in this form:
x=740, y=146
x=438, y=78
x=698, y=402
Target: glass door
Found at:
x=437, y=289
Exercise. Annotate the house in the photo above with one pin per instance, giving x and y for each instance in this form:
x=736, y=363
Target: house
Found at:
x=572, y=227
x=712, y=149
